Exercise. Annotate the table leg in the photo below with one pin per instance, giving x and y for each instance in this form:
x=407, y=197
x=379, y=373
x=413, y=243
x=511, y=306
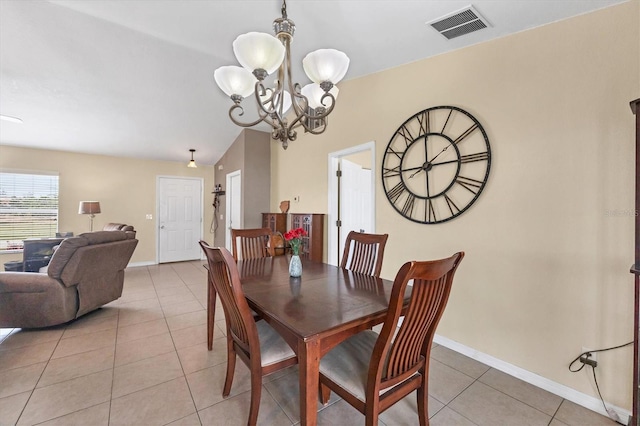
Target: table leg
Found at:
x=211, y=311
x=309, y=368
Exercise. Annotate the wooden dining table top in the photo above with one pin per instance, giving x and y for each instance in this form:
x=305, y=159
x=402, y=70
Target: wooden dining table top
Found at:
x=323, y=298
x=313, y=313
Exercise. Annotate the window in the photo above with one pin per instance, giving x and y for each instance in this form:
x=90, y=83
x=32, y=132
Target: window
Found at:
x=28, y=208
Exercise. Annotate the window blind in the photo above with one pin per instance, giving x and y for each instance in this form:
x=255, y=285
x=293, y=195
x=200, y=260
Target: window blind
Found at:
x=28, y=208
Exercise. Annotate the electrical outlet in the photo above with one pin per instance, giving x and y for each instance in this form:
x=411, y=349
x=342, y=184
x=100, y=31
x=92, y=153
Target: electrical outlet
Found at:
x=296, y=199
x=588, y=357
x=593, y=356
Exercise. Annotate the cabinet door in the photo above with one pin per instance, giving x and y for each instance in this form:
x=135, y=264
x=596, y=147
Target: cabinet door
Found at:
x=313, y=224
x=277, y=222
x=269, y=221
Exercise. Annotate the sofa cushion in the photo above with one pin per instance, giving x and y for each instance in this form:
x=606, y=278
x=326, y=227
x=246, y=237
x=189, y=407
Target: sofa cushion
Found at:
x=68, y=247
x=101, y=237
x=63, y=253
x=113, y=227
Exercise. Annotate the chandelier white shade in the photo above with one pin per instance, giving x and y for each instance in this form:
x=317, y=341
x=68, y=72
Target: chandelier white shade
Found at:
x=234, y=80
x=285, y=106
x=326, y=65
x=259, y=51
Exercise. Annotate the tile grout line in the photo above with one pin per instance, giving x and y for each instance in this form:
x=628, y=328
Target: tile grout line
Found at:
x=184, y=374
x=113, y=368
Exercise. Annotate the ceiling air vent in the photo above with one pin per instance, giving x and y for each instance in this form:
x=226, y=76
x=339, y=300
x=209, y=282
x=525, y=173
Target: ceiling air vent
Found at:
x=459, y=23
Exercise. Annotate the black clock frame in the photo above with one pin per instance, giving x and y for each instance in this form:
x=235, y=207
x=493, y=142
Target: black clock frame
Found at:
x=475, y=186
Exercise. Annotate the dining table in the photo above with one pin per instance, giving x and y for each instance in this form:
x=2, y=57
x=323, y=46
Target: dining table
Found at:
x=314, y=312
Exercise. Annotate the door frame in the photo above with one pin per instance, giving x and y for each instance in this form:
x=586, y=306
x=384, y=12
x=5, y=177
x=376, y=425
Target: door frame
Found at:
x=157, y=220
x=332, y=191
x=227, y=213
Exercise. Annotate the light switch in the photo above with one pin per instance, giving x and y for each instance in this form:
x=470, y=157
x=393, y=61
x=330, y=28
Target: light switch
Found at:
x=149, y=216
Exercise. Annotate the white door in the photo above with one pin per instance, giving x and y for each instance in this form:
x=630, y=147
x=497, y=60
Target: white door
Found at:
x=361, y=202
x=179, y=219
x=234, y=205
x=355, y=200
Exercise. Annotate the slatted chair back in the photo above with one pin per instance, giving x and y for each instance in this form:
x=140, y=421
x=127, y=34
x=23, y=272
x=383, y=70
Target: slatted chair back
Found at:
x=363, y=253
x=251, y=243
x=401, y=353
x=244, y=334
x=226, y=281
x=372, y=372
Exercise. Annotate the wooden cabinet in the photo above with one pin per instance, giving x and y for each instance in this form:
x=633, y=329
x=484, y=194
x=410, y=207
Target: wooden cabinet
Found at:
x=313, y=243
x=277, y=222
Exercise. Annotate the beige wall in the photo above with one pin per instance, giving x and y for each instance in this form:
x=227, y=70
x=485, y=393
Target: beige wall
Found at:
x=250, y=153
x=125, y=187
x=548, y=252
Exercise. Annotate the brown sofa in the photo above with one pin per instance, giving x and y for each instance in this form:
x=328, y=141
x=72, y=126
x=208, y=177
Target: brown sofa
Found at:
x=85, y=272
x=119, y=227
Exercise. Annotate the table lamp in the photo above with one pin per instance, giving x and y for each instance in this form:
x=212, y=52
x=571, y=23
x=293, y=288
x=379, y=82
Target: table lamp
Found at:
x=90, y=208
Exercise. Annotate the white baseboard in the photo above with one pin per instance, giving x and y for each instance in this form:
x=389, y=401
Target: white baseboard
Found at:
x=587, y=401
x=147, y=263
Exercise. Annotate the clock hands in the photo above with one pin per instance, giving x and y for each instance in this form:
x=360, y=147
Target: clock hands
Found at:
x=426, y=167
x=416, y=172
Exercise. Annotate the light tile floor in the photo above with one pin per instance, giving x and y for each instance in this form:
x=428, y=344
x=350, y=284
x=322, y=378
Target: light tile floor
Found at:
x=143, y=360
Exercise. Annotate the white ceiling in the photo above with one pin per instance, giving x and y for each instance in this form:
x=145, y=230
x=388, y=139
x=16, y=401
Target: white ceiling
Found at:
x=134, y=78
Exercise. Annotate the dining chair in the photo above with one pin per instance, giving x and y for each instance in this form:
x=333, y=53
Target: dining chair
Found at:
x=256, y=343
x=372, y=372
x=363, y=253
x=254, y=243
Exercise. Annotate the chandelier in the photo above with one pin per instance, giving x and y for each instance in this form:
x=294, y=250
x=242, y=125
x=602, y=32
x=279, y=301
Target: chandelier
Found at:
x=262, y=54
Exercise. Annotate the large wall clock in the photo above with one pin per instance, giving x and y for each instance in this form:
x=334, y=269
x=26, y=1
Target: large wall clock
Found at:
x=436, y=164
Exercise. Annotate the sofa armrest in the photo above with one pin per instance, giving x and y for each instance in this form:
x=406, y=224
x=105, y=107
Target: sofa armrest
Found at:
x=30, y=299
x=25, y=282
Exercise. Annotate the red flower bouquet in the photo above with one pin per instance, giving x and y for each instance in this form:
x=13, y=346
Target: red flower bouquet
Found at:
x=294, y=237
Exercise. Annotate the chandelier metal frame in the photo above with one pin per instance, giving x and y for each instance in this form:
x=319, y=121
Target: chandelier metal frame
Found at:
x=271, y=101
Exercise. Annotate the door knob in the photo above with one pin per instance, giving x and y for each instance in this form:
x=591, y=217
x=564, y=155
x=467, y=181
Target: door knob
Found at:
x=162, y=227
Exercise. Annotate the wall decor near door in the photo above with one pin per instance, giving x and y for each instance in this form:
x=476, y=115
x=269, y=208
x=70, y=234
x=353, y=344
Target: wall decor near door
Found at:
x=436, y=164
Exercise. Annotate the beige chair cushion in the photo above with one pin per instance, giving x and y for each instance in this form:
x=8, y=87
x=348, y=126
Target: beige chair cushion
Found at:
x=348, y=363
x=273, y=348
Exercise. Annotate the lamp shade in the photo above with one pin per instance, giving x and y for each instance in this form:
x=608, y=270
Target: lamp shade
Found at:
x=326, y=65
x=259, y=51
x=313, y=92
x=89, y=207
x=286, y=102
x=234, y=80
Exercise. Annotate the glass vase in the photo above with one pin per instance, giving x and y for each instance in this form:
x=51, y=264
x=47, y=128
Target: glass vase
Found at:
x=295, y=266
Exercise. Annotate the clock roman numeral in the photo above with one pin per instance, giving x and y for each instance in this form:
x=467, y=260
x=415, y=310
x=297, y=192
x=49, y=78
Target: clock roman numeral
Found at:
x=423, y=120
x=406, y=134
x=466, y=133
x=471, y=185
x=407, y=209
x=395, y=192
x=452, y=206
x=387, y=173
x=470, y=158
x=429, y=212
x=447, y=121
x=394, y=152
